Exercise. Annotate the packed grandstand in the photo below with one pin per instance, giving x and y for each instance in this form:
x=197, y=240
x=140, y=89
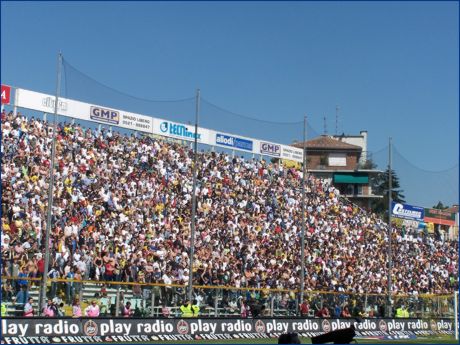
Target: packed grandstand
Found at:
x=122, y=210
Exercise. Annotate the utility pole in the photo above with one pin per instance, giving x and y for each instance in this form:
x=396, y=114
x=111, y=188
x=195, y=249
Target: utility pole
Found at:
x=389, y=254
x=302, y=248
x=42, y=298
x=193, y=220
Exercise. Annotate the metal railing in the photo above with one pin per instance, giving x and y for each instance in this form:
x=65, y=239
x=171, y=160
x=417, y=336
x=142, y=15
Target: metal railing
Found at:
x=161, y=300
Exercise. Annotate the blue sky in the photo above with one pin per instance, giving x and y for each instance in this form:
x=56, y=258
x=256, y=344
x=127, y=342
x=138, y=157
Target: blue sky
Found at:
x=392, y=67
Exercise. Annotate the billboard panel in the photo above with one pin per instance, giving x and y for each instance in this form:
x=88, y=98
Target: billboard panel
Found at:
x=102, y=330
x=270, y=149
x=114, y=117
x=6, y=94
x=439, y=217
x=234, y=142
x=291, y=153
x=178, y=130
x=83, y=111
x=406, y=211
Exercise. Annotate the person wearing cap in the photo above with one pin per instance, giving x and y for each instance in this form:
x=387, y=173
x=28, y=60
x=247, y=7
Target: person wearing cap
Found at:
x=92, y=310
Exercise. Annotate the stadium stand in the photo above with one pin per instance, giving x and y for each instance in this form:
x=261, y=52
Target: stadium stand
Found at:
x=122, y=214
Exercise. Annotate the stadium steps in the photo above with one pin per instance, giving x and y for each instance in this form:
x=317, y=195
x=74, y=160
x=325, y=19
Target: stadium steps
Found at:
x=89, y=293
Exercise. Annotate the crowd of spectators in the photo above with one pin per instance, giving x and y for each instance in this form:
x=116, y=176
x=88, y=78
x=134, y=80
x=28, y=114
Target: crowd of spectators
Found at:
x=122, y=210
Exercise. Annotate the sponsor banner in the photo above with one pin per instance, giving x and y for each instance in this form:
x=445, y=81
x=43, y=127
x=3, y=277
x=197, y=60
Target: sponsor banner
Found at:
x=439, y=217
x=406, y=211
x=83, y=111
x=46, y=103
x=180, y=131
x=291, y=153
x=114, y=117
x=6, y=94
x=235, y=142
x=46, y=330
x=270, y=149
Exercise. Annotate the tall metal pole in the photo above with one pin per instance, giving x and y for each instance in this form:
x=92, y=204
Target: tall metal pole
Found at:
x=193, y=221
x=42, y=299
x=390, y=262
x=302, y=248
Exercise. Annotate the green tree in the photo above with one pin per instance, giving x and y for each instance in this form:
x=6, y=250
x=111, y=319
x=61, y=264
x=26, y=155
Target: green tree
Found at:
x=368, y=164
x=380, y=186
x=440, y=206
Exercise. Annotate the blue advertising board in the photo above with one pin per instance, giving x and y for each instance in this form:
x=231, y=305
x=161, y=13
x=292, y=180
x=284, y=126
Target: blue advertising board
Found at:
x=231, y=141
x=406, y=211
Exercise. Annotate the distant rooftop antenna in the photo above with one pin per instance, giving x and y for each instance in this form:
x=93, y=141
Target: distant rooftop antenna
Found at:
x=337, y=119
x=325, y=126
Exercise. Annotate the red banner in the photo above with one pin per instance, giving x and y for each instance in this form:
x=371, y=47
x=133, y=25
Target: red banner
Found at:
x=6, y=92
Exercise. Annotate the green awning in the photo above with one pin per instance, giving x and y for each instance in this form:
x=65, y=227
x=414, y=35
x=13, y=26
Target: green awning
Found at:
x=351, y=178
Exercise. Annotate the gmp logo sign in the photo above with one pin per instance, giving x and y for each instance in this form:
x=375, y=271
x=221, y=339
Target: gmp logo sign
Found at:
x=105, y=115
x=271, y=149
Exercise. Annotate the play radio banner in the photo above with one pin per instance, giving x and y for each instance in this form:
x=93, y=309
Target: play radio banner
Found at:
x=69, y=330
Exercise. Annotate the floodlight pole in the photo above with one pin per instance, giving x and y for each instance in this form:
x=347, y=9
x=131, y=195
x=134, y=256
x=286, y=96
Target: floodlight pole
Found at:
x=389, y=254
x=193, y=220
x=42, y=298
x=302, y=248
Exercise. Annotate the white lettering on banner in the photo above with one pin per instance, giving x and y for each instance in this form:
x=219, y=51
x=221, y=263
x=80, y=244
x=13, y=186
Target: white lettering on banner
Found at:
x=81, y=339
x=202, y=326
x=394, y=325
x=115, y=327
x=366, y=324
x=337, y=324
x=417, y=325
x=59, y=328
x=399, y=210
x=238, y=326
x=444, y=325
x=307, y=325
x=220, y=139
x=155, y=327
x=13, y=328
x=277, y=326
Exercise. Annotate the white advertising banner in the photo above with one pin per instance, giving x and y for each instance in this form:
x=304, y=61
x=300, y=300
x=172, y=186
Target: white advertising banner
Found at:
x=45, y=103
x=181, y=131
x=84, y=111
x=291, y=153
x=95, y=113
